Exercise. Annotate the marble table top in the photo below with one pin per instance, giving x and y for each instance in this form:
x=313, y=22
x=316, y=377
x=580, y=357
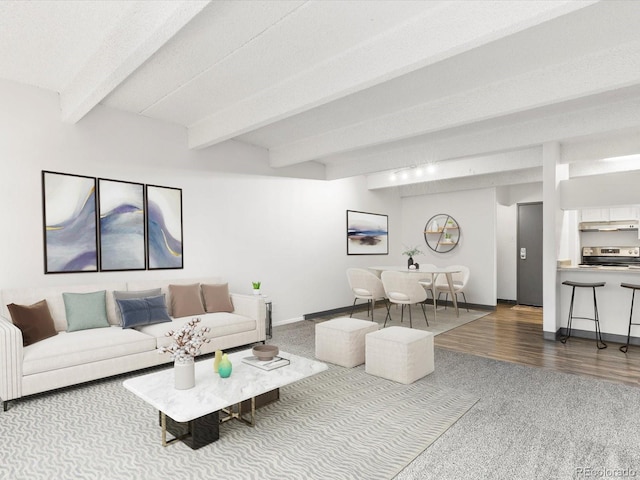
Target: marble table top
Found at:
x=212, y=393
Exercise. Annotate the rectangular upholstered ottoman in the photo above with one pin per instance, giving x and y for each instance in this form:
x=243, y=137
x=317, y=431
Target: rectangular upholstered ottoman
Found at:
x=400, y=354
x=341, y=341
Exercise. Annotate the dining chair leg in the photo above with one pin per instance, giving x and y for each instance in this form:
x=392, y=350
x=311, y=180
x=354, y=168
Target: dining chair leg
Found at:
x=388, y=305
x=402, y=313
x=410, y=323
x=373, y=307
x=424, y=313
x=352, y=307
x=465, y=300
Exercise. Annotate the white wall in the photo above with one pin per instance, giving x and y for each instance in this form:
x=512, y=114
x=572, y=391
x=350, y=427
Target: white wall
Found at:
x=475, y=212
x=507, y=234
x=288, y=233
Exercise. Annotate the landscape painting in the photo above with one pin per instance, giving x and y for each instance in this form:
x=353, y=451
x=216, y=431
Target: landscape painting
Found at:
x=367, y=233
x=122, y=225
x=70, y=227
x=164, y=227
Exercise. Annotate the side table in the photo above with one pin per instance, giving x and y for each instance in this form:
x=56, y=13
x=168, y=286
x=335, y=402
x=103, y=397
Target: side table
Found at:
x=269, y=316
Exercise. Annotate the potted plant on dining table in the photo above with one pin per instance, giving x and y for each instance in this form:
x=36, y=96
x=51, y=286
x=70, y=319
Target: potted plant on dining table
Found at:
x=411, y=252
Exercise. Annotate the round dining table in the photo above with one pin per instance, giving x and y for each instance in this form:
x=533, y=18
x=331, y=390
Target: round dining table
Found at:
x=428, y=273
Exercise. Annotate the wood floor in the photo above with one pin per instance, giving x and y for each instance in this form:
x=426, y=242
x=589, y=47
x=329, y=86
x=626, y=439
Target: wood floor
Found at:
x=514, y=335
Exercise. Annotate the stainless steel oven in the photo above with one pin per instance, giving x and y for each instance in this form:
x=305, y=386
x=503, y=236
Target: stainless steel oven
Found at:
x=610, y=257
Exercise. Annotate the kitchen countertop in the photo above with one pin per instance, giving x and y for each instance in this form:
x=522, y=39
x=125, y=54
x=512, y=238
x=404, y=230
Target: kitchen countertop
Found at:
x=575, y=268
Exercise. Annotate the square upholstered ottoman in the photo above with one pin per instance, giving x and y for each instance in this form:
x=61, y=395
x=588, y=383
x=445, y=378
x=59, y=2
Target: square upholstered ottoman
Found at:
x=341, y=340
x=400, y=354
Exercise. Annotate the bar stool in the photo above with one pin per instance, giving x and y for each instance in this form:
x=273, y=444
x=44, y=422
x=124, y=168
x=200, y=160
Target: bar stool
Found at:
x=599, y=343
x=633, y=287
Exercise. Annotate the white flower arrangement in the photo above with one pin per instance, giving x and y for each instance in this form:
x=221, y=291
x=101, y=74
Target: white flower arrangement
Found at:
x=186, y=341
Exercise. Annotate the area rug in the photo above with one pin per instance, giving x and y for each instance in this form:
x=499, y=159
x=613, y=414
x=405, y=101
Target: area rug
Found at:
x=443, y=321
x=340, y=424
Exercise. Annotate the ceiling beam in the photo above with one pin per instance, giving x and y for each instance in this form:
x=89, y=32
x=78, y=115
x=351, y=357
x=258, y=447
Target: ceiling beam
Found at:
x=424, y=40
x=504, y=135
x=146, y=28
x=592, y=74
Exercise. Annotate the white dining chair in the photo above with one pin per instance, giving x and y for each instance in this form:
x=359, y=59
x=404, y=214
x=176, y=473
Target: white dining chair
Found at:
x=404, y=289
x=460, y=280
x=366, y=286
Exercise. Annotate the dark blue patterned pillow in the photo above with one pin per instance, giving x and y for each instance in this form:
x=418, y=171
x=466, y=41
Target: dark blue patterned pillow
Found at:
x=137, y=312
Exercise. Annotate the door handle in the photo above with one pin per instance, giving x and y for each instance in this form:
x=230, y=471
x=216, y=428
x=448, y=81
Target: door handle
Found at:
x=523, y=253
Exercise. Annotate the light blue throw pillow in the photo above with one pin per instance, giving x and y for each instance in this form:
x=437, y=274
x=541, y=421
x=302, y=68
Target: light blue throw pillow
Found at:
x=137, y=312
x=85, y=310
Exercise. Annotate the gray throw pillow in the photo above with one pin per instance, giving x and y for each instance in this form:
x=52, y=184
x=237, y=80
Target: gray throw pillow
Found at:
x=85, y=310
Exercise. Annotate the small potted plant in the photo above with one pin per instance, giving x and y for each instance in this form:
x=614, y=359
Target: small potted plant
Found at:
x=411, y=252
x=256, y=287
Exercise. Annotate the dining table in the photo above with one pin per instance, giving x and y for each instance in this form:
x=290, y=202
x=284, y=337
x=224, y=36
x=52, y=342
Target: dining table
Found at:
x=427, y=273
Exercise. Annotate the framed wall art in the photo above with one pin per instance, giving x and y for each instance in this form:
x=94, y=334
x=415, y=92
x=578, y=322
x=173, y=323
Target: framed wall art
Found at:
x=164, y=228
x=367, y=233
x=69, y=223
x=121, y=210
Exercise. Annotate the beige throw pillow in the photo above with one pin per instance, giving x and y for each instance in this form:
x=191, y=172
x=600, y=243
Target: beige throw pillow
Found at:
x=216, y=298
x=186, y=300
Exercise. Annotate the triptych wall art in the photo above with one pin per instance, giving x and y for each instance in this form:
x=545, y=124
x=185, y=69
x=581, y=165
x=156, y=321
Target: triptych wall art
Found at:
x=367, y=233
x=106, y=225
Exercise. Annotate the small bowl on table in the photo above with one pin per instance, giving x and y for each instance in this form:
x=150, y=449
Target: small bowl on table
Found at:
x=265, y=352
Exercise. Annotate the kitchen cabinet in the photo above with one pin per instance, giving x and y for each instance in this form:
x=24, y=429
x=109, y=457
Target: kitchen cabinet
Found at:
x=609, y=214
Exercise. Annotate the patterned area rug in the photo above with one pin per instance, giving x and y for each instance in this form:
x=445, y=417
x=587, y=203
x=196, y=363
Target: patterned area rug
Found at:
x=340, y=424
x=443, y=320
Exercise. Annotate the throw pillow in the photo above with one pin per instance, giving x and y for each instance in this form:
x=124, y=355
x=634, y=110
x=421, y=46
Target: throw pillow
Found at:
x=34, y=321
x=143, y=311
x=216, y=298
x=186, y=300
x=85, y=310
x=128, y=294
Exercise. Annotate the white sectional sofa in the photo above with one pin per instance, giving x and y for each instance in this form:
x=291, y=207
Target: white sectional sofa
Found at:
x=70, y=358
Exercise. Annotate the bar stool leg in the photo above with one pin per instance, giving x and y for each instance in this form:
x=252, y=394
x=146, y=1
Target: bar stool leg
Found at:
x=599, y=343
x=625, y=348
x=566, y=337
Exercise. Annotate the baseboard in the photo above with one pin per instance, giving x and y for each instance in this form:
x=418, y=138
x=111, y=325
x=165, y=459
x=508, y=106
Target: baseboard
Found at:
x=507, y=302
x=363, y=306
x=287, y=321
x=591, y=335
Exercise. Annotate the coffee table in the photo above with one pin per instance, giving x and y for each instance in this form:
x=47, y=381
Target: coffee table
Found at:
x=192, y=416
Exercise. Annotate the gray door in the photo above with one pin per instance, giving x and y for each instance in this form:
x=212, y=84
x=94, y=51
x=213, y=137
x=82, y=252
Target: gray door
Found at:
x=530, y=254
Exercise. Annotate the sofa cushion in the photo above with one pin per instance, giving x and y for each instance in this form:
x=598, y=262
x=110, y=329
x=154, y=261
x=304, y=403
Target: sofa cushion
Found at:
x=69, y=349
x=127, y=294
x=186, y=300
x=143, y=311
x=216, y=298
x=221, y=324
x=34, y=321
x=85, y=310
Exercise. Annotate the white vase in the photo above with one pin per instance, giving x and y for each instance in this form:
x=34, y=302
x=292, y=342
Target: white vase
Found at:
x=256, y=291
x=185, y=376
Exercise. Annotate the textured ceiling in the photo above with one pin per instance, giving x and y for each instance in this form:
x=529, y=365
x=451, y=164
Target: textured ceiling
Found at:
x=358, y=87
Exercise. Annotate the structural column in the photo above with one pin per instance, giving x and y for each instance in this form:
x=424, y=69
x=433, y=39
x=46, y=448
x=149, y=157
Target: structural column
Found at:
x=552, y=217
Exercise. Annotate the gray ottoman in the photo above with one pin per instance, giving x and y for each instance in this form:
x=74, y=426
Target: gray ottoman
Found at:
x=400, y=354
x=341, y=340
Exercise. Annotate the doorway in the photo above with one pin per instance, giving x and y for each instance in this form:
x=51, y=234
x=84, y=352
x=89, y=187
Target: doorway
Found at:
x=529, y=250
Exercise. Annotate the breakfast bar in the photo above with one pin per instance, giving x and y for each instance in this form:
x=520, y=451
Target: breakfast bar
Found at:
x=614, y=301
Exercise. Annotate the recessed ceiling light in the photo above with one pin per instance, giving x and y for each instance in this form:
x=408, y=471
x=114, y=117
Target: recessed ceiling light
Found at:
x=431, y=168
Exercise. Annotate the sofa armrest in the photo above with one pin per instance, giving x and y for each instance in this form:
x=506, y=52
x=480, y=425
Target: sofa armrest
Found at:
x=251, y=306
x=10, y=360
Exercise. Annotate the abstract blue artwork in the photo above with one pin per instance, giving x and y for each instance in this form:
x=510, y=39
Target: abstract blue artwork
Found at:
x=122, y=224
x=70, y=228
x=164, y=227
x=367, y=233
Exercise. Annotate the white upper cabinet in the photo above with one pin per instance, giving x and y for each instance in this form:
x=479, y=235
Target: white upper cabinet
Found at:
x=609, y=214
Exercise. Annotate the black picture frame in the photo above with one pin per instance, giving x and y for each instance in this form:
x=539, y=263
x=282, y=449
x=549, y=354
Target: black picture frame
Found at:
x=164, y=228
x=69, y=222
x=122, y=225
x=367, y=233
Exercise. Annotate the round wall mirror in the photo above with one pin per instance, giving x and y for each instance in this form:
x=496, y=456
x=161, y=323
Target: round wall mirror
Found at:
x=442, y=233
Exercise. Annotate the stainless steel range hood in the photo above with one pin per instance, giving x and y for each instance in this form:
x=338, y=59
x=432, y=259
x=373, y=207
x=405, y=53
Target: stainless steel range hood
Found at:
x=617, y=226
